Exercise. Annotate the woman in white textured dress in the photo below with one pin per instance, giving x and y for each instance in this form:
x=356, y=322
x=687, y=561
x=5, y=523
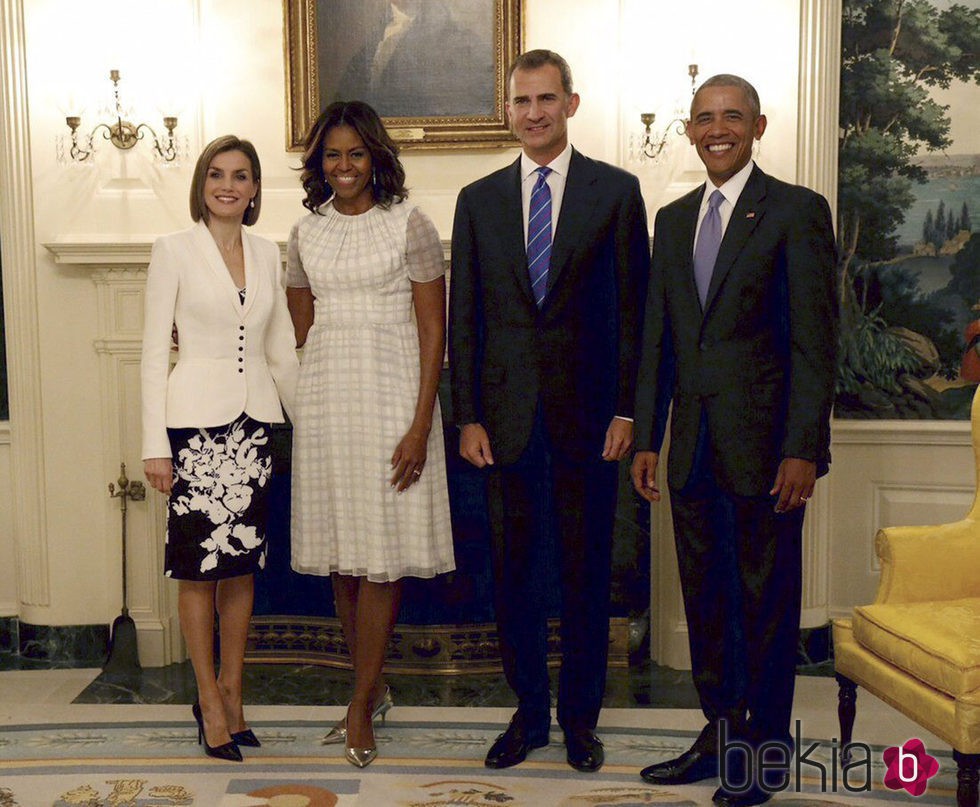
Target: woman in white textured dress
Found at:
x=366, y=290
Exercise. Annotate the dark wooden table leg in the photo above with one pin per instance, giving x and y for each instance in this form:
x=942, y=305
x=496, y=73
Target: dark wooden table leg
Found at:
x=967, y=776
x=846, y=709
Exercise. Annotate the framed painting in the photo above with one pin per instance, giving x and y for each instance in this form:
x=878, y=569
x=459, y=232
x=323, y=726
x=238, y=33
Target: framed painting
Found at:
x=908, y=209
x=433, y=69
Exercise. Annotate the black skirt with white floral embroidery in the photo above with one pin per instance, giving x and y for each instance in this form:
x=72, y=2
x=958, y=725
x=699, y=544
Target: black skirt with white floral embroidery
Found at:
x=216, y=515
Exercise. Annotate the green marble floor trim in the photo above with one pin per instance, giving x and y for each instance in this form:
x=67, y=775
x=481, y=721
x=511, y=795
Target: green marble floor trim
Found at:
x=643, y=684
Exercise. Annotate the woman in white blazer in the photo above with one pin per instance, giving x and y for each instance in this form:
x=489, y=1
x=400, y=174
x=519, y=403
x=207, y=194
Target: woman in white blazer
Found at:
x=206, y=439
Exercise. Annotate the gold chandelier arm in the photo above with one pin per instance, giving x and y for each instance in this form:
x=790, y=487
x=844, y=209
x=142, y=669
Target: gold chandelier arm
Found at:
x=123, y=134
x=166, y=150
x=651, y=148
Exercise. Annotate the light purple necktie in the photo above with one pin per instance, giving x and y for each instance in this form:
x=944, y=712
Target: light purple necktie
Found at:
x=539, y=236
x=706, y=248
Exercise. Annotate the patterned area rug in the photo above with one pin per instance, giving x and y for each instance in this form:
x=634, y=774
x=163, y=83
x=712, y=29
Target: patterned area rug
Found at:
x=436, y=763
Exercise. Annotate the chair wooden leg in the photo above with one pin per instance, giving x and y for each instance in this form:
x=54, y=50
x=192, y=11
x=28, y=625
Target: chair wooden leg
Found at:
x=967, y=776
x=846, y=709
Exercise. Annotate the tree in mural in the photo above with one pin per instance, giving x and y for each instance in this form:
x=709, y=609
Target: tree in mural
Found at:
x=893, y=52
x=938, y=229
x=966, y=273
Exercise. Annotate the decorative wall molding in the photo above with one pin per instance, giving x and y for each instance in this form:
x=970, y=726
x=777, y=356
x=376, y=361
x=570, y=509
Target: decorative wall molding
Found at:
x=101, y=253
x=817, y=556
x=9, y=606
x=119, y=285
x=816, y=167
x=903, y=503
x=887, y=473
x=819, y=97
x=134, y=255
x=668, y=624
x=20, y=313
x=901, y=432
x=118, y=270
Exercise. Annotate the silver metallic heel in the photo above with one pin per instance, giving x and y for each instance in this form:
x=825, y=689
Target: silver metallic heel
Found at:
x=381, y=708
x=361, y=757
x=338, y=733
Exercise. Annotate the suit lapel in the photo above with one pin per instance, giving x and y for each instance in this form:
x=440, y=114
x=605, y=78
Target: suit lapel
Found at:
x=224, y=287
x=578, y=202
x=687, y=218
x=745, y=218
x=251, y=275
x=511, y=224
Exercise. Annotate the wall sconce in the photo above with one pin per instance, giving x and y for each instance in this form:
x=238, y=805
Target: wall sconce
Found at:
x=122, y=134
x=649, y=146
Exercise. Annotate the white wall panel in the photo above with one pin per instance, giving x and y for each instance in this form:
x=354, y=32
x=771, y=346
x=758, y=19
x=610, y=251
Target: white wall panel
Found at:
x=9, y=606
x=887, y=474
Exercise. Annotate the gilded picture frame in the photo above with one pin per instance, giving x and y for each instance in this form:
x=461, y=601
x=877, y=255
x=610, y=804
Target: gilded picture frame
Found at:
x=437, y=79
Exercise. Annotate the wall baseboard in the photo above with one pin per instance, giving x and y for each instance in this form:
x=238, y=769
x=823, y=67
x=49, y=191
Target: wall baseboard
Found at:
x=8, y=634
x=69, y=644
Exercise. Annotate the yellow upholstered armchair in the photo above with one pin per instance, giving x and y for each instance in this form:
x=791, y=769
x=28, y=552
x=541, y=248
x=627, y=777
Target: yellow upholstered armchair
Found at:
x=917, y=647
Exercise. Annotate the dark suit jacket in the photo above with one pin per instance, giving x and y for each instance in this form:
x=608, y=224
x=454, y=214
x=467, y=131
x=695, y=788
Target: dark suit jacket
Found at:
x=761, y=359
x=578, y=354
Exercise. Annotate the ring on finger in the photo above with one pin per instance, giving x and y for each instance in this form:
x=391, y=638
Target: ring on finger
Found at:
x=417, y=472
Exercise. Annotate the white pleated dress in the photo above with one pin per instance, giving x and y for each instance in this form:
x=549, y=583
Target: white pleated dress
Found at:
x=358, y=386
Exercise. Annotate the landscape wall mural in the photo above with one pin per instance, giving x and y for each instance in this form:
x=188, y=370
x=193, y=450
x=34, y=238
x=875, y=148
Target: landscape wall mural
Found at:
x=909, y=208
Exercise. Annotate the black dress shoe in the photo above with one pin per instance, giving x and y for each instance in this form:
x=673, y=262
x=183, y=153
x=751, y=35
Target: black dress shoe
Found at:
x=693, y=765
x=748, y=798
x=511, y=747
x=584, y=751
x=246, y=738
x=227, y=751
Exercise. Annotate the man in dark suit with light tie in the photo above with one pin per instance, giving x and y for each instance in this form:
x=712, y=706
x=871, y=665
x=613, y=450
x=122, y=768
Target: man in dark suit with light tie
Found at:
x=550, y=258
x=740, y=333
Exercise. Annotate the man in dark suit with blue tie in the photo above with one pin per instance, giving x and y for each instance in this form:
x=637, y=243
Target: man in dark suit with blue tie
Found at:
x=740, y=334
x=550, y=259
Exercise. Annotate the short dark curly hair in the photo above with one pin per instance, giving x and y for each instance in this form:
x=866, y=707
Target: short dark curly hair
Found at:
x=388, y=175
x=729, y=80
x=535, y=59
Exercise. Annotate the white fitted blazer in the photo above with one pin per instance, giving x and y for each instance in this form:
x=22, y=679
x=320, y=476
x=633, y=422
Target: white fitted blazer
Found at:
x=232, y=358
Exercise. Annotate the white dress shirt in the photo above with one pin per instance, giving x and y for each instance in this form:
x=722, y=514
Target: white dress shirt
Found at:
x=731, y=190
x=556, y=183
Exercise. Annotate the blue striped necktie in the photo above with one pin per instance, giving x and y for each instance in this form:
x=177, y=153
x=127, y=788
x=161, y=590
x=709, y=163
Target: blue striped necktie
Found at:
x=539, y=236
x=709, y=242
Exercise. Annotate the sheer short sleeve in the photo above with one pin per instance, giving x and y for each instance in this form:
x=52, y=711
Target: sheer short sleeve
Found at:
x=424, y=249
x=295, y=273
